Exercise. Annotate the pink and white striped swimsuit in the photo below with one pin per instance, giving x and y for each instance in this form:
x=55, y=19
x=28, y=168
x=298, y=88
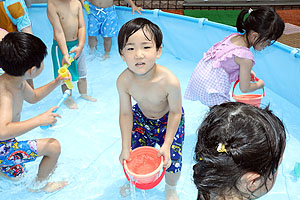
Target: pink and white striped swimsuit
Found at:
x=211, y=80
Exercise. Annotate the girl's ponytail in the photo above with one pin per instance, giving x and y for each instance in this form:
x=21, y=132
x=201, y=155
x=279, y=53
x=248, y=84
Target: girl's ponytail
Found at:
x=240, y=21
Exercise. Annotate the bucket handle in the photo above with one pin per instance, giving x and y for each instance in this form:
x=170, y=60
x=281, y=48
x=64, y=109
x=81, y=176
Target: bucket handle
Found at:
x=145, y=186
x=256, y=79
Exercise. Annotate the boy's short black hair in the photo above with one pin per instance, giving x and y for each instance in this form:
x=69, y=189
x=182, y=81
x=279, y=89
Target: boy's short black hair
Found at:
x=132, y=26
x=20, y=51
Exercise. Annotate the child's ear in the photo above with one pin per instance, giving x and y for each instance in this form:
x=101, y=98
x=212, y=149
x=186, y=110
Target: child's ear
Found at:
x=252, y=180
x=159, y=52
x=254, y=36
x=31, y=71
x=123, y=57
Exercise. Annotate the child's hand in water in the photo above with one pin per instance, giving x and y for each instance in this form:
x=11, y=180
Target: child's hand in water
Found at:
x=165, y=151
x=48, y=117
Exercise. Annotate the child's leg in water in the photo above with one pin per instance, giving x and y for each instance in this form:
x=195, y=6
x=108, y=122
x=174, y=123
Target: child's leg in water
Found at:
x=92, y=40
x=170, y=188
x=82, y=87
x=107, y=47
x=69, y=102
x=50, y=150
x=125, y=190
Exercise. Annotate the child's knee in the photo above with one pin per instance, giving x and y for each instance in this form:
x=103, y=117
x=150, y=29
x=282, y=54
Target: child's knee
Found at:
x=54, y=146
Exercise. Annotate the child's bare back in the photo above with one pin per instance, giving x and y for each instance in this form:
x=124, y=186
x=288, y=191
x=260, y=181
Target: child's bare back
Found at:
x=12, y=95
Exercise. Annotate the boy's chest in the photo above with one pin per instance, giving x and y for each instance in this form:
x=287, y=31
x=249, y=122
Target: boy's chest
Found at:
x=151, y=94
x=68, y=12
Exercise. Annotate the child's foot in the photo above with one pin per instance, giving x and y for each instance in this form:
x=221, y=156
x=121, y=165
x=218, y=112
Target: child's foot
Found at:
x=54, y=186
x=106, y=55
x=70, y=103
x=88, y=98
x=125, y=190
x=170, y=192
x=92, y=51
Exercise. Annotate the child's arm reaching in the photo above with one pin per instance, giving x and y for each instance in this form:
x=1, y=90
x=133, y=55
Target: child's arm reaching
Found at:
x=134, y=7
x=59, y=35
x=175, y=111
x=245, y=76
x=10, y=129
x=125, y=118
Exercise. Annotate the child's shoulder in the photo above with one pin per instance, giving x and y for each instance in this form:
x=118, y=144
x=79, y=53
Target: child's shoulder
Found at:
x=164, y=71
x=166, y=75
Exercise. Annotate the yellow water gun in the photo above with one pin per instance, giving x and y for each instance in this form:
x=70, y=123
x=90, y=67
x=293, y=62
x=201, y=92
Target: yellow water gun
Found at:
x=64, y=72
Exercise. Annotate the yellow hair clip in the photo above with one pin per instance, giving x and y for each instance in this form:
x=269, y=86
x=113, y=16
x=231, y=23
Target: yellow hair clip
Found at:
x=221, y=148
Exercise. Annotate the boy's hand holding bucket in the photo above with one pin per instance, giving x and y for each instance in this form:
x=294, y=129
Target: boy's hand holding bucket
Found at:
x=165, y=152
x=143, y=167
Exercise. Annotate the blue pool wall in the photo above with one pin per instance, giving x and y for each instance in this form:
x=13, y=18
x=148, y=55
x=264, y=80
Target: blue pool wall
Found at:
x=188, y=38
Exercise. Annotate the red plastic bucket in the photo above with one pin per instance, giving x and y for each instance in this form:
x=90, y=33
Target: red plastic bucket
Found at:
x=144, y=167
x=252, y=99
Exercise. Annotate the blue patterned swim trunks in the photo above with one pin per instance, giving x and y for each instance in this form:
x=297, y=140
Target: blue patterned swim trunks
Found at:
x=14, y=154
x=148, y=132
x=102, y=21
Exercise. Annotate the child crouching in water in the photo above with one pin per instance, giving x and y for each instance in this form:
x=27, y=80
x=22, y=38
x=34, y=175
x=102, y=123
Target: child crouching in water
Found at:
x=22, y=56
x=231, y=59
x=238, y=151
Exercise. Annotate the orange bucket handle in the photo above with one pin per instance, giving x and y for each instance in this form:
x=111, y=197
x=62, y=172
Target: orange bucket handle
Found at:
x=256, y=79
x=148, y=185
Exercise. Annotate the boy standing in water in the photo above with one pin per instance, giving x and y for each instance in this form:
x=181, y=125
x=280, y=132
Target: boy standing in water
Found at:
x=158, y=117
x=103, y=20
x=22, y=56
x=67, y=20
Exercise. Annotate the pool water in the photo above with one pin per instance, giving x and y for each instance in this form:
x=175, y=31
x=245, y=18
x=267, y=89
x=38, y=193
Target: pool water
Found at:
x=91, y=140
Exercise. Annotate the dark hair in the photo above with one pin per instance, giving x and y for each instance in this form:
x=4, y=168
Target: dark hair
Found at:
x=20, y=51
x=254, y=139
x=264, y=20
x=132, y=26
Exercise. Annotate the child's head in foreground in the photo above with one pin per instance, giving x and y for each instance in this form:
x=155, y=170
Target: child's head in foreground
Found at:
x=264, y=22
x=238, y=151
x=151, y=31
x=20, y=52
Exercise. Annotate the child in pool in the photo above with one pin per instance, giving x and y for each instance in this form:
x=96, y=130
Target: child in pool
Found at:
x=67, y=20
x=231, y=59
x=238, y=151
x=158, y=117
x=103, y=21
x=22, y=56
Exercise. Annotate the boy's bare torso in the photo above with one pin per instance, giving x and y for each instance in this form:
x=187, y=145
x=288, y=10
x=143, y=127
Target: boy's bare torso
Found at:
x=11, y=95
x=102, y=3
x=68, y=13
x=151, y=95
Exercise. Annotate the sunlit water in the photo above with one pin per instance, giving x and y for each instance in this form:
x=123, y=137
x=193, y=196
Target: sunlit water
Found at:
x=91, y=141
